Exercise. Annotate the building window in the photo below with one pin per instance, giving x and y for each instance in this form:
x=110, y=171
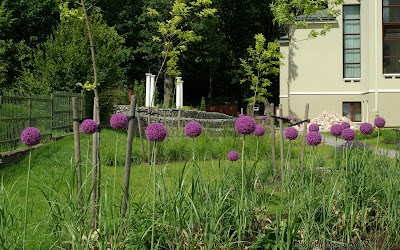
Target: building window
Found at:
x=391, y=36
x=351, y=41
x=352, y=110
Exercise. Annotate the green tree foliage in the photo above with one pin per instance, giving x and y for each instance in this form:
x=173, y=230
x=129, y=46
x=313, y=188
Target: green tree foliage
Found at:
x=286, y=12
x=262, y=62
x=64, y=59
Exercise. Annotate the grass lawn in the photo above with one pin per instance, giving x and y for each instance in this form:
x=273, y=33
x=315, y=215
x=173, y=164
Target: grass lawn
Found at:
x=198, y=204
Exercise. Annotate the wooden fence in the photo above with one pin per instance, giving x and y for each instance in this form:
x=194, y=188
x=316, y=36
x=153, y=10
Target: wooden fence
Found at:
x=51, y=114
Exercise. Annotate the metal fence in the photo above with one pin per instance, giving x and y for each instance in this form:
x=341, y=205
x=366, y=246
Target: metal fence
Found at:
x=51, y=114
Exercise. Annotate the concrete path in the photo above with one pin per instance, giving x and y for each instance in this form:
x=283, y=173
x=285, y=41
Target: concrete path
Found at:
x=330, y=141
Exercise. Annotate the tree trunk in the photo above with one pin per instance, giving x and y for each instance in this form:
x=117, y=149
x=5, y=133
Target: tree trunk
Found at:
x=168, y=89
x=210, y=89
x=96, y=136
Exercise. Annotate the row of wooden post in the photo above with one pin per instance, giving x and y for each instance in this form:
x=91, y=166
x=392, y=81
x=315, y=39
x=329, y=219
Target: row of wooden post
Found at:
x=273, y=151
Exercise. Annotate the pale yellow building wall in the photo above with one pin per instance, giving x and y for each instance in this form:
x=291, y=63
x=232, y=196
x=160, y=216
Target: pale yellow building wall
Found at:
x=316, y=71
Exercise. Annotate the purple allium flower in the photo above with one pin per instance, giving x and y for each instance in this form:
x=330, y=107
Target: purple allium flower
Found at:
x=287, y=117
x=291, y=133
x=233, y=156
x=313, y=128
x=336, y=130
x=193, y=129
x=345, y=125
x=31, y=136
x=118, y=121
x=379, y=122
x=294, y=119
x=298, y=125
x=314, y=138
x=308, y=120
x=156, y=132
x=245, y=125
x=259, y=131
x=366, y=128
x=89, y=126
x=348, y=134
x=277, y=119
x=241, y=115
x=263, y=118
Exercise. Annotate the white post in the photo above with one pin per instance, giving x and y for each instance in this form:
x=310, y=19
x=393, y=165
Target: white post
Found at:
x=148, y=76
x=152, y=89
x=181, y=94
x=178, y=92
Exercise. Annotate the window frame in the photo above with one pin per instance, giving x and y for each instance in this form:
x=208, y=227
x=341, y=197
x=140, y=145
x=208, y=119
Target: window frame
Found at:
x=344, y=49
x=352, y=111
x=388, y=26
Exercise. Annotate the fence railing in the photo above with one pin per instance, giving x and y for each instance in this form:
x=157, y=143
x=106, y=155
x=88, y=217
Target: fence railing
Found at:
x=51, y=114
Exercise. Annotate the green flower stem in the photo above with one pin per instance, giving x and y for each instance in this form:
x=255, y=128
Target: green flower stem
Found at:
x=258, y=138
x=154, y=194
x=115, y=180
x=335, y=152
x=26, y=196
x=193, y=150
x=289, y=154
x=241, y=196
x=377, y=141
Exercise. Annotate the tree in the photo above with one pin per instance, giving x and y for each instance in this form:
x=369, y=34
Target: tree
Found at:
x=261, y=63
x=286, y=13
x=172, y=37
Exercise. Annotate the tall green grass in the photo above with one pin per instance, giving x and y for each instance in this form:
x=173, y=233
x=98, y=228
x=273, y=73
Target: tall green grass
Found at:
x=199, y=204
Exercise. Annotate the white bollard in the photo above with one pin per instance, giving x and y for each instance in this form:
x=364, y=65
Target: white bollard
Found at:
x=152, y=89
x=148, y=79
x=181, y=94
x=178, y=94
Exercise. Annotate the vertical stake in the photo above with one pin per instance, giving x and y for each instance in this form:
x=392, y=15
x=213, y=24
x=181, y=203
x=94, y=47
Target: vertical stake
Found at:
x=128, y=159
x=272, y=124
x=179, y=118
x=77, y=144
x=282, y=142
x=140, y=129
x=158, y=113
x=303, y=147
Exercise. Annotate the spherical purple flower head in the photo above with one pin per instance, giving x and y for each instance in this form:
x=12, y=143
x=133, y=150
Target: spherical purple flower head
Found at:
x=348, y=134
x=313, y=128
x=291, y=133
x=245, y=125
x=308, y=120
x=314, y=138
x=294, y=119
x=156, y=132
x=263, y=117
x=277, y=119
x=366, y=128
x=118, y=121
x=89, y=126
x=379, y=122
x=233, y=156
x=193, y=129
x=259, y=131
x=241, y=115
x=345, y=125
x=336, y=130
x=31, y=136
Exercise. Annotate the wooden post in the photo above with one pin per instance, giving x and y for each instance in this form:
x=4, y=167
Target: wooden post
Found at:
x=158, y=113
x=303, y=147
x=77, y=143
x=179, y=119
x=241, y=111
x=282, y=142
x=52, y=115
x=165, y=117
x=148, y=142
x=128, y=159
x=272, y=121
x=140, y=129
x=95, y=163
